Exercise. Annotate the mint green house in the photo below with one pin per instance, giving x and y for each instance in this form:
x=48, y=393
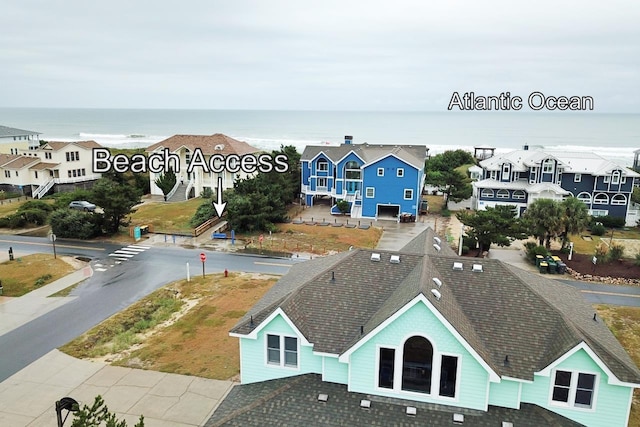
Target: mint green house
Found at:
x=449, y=339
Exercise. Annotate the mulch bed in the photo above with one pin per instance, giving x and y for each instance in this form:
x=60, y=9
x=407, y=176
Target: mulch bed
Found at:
x=583, y=264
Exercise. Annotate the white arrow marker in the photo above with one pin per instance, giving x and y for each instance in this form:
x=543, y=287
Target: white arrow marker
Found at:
x=219, y=206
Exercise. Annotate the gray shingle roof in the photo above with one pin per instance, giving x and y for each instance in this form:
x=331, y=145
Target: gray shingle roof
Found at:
x=412, y=154
x=294, y=402
x=501, y=311
x=6, y=131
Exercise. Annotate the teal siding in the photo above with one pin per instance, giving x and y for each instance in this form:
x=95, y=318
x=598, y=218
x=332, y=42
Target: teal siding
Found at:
x=504, y=393
x=253, y=366
x=335, y=371
x=611, y=402
x=419, y=320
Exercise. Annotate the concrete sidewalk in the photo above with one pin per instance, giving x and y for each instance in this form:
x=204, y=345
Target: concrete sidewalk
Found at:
x=17, y=311
x=29, y=396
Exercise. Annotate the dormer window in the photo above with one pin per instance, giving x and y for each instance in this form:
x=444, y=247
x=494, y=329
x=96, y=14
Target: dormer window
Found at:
x=505, y=171
x=547, y=166
x=323, y=166
x=615, y=178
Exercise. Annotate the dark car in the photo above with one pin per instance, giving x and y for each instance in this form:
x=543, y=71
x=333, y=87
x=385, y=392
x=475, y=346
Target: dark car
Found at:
x=82, y=205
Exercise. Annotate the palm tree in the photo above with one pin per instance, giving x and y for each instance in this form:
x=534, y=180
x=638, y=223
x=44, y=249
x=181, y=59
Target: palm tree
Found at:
x=545, y=218
x=575, y=218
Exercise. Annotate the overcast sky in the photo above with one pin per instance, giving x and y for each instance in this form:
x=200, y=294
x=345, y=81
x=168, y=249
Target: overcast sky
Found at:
x=321, y=55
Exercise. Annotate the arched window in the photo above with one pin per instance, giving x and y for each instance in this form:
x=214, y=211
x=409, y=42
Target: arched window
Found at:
x=503, y=194
x=601, y=199
x=619, y=199
x=519, y=195
x=584, y=197
x=547, y=166
x=615, y=177
x=417, y=364
x=486, y=192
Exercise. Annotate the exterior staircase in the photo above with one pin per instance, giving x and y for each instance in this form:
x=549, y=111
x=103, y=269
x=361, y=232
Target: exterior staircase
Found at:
x=180, y=194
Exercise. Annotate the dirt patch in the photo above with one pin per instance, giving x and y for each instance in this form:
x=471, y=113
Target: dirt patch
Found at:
x=583, y=264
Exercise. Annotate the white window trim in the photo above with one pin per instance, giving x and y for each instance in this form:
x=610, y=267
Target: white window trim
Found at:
x=577, y=177
x=584, y=200
x=494, y=175
x=320, y=179
x=619, y=199
x=380, y=171
x=606, y=179
x=373, y=192
x=570, y=404
x=326, y=166
x=547, y=166
x=519, y=195
x=281, y=365
x=623, y=180
x=502, y=194
x=615, y=178
x=404, y=194
x=400, y=172
x=487, y=192
x=600, y=201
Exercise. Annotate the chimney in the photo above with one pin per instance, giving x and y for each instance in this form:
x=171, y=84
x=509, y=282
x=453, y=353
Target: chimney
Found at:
x=348, y=139
x=525, y=147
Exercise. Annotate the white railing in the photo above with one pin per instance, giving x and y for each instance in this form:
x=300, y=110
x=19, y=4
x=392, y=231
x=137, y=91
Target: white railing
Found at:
x=189, y=187
x=77, y=179
x=42, y=190
x=173, y=190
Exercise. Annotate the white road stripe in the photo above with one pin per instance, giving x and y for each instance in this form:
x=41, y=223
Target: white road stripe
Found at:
x=101, y=269
x=123, y=251
x=128, y=256
x=98, y=265
x=139, y=247
x=133, y=249
x=123, y=259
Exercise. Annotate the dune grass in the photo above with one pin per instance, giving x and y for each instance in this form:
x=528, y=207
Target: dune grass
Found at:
x=30, y=272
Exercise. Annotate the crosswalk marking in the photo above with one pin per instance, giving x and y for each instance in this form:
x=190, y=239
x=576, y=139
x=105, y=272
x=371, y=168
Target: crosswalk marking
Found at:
x=134, y=249
x=121, y=255
x=101, y=269
x=139, y=247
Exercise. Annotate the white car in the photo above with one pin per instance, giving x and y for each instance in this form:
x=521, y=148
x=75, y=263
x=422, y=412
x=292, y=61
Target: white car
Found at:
x=82, y=205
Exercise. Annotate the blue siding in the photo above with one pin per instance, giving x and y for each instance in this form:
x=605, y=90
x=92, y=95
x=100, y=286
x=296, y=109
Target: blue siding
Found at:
x=306, y=172
x=389, y=189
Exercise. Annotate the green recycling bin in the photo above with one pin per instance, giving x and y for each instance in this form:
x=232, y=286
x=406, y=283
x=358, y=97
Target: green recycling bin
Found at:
x=544, y=267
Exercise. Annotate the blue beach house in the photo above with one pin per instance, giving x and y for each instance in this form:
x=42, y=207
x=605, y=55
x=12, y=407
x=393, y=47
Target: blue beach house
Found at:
x=423, y=337
x=377, y=180
x=519, y=177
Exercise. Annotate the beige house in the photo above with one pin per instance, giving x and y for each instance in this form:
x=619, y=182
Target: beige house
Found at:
x=191, y=184
x=62, y=166
x=13, y=140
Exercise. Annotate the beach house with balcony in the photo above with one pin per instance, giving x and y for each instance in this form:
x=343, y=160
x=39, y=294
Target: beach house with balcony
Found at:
x=520, y=177
x=13, y=140
x=423, y=337
x=377, y=180
x=54, y=166
x=191, y=184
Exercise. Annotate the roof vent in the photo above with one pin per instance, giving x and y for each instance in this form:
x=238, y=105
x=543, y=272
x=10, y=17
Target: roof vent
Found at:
x=458, y=418
x=366, y=404
x=322, y=397
x=436, y=293
x=219, y=147
x=412, y=411
x=506, y=361
x=375, y=257
x=437, y=240
x=437, y=281
x=457, y=266
x=477, y=268
x=333, y=276
x=395, y=259
x=437, y=247
x=507, y=424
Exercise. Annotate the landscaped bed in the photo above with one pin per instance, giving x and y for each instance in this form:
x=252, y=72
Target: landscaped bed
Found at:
x=583, y=264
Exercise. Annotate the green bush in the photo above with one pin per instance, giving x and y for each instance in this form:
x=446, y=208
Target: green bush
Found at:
x=598, y=229
x=4, y=222
x=615, y=253
x=532, y=250
x=62, y=200
x=16, y=221
x=35, y=205
x=71, y=223
x=207, y=193
x=34, y=216
x=446, y=213
x=204, y=212
x=609, y=221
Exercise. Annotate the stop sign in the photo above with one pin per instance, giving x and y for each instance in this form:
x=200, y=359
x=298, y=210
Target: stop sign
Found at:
x=203, y=256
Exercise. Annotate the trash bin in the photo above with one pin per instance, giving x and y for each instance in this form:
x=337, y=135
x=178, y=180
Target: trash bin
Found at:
x=553, y=267
x=539, y=259
x=144, y=229
x=562, y=268
x=544, y=267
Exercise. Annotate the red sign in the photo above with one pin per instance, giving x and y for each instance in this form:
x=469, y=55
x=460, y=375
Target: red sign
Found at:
x=203, y=256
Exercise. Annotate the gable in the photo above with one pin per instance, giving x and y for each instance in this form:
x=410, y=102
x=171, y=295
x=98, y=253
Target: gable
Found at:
x=389, y=159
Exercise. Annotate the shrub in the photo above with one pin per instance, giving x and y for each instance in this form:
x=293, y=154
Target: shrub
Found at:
x=638, y=259
x=611, y=221
x=445, y=213
x=616, y=252
x=62, y=200
x=16, y=221
x=34, y=216
x=204, y=212
x=35, y=205
x=207, y=193
x=4, y=222
x=532, y=250
x=75, y=224
x=598, y=229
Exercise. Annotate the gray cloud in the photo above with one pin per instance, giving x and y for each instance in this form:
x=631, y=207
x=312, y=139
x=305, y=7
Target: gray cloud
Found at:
x=329, y=55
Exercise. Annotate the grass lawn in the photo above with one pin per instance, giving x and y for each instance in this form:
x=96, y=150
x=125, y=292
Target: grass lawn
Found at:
x=436, y=203
x=185, y=333
x=30, y=272
x=624, y=322
x=588, y=246
x=7, y=208
x=167, y=217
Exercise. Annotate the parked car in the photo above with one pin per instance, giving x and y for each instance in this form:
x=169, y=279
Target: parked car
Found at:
x=82, y=205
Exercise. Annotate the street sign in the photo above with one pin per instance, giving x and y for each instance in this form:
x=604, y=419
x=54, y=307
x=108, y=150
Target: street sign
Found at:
x=52, y=237
x=203, y=256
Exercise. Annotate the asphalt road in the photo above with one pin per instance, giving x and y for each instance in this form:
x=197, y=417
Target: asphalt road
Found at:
x=607, y=294
x=112, y=288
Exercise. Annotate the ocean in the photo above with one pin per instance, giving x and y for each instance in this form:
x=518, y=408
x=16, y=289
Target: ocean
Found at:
x=614, y=136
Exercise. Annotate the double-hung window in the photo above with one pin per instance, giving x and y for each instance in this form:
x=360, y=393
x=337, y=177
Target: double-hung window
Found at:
x=574, y=389
x=282, y=351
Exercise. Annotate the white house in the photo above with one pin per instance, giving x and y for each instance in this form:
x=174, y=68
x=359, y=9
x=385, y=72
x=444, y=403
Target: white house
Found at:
x=13, y=140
